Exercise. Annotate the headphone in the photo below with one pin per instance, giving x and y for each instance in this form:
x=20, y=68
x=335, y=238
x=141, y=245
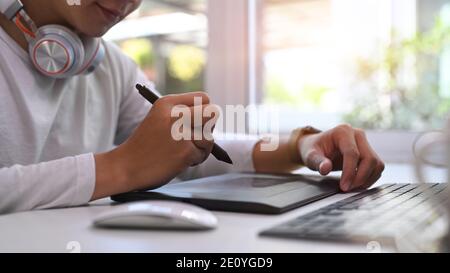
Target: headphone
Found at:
x=55, y=51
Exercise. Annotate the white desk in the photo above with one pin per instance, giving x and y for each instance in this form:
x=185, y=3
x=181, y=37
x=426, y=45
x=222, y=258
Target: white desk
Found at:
x=52, y=230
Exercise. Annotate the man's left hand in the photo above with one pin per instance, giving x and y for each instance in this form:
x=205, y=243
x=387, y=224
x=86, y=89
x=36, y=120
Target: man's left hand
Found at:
x=342, y=148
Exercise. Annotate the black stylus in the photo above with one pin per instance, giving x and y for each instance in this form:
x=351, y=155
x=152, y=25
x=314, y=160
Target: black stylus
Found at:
x=152, y=97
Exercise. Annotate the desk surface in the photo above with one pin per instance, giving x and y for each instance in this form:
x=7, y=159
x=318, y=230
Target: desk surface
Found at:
x=62, y=230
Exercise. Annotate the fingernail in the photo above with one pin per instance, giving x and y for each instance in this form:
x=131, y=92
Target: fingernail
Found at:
x=321, y=168
x=346, y=185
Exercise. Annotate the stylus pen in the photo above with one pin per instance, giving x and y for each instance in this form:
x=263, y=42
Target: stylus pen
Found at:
x=152, y=97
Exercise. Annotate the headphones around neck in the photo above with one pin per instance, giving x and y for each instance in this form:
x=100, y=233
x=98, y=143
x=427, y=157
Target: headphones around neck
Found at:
x=55, y=50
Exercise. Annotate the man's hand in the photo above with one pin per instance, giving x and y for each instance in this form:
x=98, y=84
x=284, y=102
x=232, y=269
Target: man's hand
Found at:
x=152, y=156
x=342, y=148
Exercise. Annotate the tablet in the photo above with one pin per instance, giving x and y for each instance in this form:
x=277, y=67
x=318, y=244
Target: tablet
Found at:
x=243, y=192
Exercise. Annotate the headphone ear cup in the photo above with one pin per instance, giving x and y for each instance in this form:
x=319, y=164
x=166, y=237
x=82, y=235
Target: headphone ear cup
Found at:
x=57, y=52
x=94, y=54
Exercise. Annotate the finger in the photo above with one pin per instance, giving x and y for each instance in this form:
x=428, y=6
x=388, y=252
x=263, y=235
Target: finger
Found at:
x=351, y=157
x=203, y=119
x=204, y=144
x=213, y=111
x=188, y=99
x=376, y=175
x=202, y=141
x=195, y=122
x=369, y=161
x=317, y=161
x=365, y=170
x=199, y=153
x=203, y=114
x=373, y=178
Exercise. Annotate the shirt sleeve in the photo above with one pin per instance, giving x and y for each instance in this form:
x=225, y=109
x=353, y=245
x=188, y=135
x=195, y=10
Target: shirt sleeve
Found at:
x=239, y=148
x=64, y=182
x=133, y=107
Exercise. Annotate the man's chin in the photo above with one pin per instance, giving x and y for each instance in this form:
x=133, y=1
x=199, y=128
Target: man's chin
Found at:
x=96, y=32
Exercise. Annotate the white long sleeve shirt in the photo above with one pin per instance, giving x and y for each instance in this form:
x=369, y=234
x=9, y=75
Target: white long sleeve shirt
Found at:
x=50, y=129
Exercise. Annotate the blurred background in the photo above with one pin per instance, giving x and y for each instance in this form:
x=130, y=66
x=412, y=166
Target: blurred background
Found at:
x=382, y=65
x=168, y=39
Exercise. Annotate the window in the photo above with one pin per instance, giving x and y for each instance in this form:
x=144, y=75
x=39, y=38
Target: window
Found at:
x=375, y=64
x=383, y=65
x=168, y=39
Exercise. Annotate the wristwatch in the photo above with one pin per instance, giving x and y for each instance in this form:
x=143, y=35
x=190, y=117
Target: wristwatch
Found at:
x=294, y=139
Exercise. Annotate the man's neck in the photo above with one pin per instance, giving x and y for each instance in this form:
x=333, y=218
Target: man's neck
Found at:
x=41, y=16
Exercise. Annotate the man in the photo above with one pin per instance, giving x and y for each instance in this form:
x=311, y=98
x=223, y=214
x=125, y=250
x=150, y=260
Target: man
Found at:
x=65, y=142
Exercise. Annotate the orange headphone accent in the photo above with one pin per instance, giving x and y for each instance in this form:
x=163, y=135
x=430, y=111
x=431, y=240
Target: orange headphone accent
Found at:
x=23, y=28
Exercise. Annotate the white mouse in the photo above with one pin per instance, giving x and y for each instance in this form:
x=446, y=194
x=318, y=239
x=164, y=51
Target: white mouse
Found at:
x=157, y=215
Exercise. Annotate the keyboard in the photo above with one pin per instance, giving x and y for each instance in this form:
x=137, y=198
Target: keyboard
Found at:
x=380, y=214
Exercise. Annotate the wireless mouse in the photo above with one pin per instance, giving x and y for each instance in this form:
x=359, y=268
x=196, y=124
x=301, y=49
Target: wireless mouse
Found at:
x=157, y=215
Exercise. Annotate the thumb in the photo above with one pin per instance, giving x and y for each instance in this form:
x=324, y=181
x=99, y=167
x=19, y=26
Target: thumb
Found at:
x=317, y=161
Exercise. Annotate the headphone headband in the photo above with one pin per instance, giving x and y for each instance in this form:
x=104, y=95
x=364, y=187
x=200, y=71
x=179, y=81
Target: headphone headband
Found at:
x=10, y=8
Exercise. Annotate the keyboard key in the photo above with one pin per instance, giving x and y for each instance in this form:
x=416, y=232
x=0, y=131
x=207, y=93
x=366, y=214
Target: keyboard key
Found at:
x=406, y=188
x=334, y=212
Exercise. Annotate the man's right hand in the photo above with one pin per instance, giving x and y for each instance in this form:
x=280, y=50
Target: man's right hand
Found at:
x=152, y=157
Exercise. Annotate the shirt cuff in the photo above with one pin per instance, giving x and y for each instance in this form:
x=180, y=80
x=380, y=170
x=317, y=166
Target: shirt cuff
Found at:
x=85, y=182
x=240, y=150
